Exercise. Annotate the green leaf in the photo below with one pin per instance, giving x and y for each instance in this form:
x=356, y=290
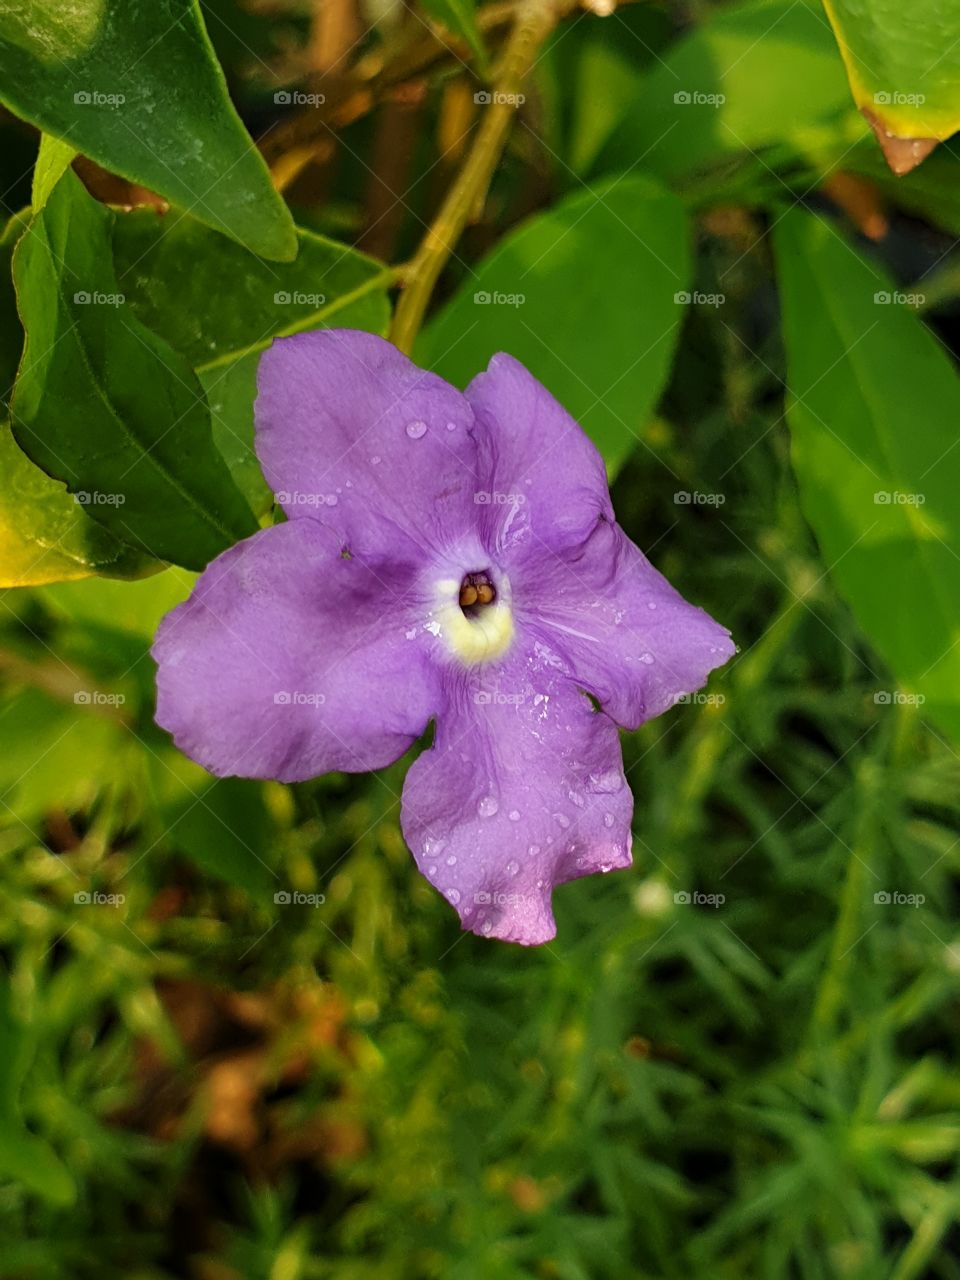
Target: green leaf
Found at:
x=53, y=159
x=104, y=405
x=584, y=296
x=24, y=1156
x=751, y=75
x=226, y=828
x=137, y=88
x=903, y=63
x=220, y=307
x=873, y=408
x=45, y=534
x=460, y=17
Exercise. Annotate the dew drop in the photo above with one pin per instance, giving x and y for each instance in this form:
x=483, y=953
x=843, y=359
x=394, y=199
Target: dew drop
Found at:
x=453, y=895
x=608, y=819
x=451, y=426
x=562, y=820
x=486, y=926
x=576, y=798
x=432, y=870
x=332, y=499
x=609, y=781
x=651, y=604
x=411, y=634
x=513, y=868
x=375, y=459
x=415, y=430
x=452, y=860
x=646, y=658
x=533, y=850
x=514, y=815
x=488, y=806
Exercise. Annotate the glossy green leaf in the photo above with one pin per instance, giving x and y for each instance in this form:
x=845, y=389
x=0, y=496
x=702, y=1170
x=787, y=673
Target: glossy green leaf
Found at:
x=226, y=829
x=751, y=75
x=53, y=160
x=590, y=297
x=137, y=88
x=460, y=18
x=24, y=1157
x=103, y=404
x=220, y=307
x=873, y=411
x=903, y=62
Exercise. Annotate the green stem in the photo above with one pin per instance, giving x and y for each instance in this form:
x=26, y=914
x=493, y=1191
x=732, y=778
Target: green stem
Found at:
x=535, y=20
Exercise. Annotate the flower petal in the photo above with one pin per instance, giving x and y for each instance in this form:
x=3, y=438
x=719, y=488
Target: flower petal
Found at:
x=630, y=637
x=289, y=661
x=351, y=432
x=522, y=790
x=543, y=481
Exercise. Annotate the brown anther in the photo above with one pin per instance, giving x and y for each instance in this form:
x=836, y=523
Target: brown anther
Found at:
x=468, y=595
x=485, y=593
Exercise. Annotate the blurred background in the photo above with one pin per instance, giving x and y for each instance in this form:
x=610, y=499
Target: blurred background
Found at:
x=240, y=1036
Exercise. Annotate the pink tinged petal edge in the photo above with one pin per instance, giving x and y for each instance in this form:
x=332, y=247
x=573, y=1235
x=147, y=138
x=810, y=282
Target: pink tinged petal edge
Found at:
x=350, y=432
x=545, y=481
x=630, y=637
x=289, y=661
x=523, y=790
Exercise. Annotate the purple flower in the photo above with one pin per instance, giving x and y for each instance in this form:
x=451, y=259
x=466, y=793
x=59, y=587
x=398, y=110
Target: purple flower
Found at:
x=451, y=556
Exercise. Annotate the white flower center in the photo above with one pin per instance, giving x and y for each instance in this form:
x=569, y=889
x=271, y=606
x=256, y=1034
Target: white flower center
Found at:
x=478, y=633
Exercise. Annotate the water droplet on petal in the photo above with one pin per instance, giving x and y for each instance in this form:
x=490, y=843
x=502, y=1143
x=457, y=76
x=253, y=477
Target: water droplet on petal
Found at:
x=486, y=926
x=488, y=806
x=451, y=426
x=608, y=819
x=533, y=850
x=453, y=895
x=651, y=604
x=576, y=798
x=375, y=459
x=514, y=815
x=561, y=819
x=415, y=430
x=610, y=781
x=646, y=658
x=332, y=499
x=452, y=860
x=432, y=870
x=513, y=868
